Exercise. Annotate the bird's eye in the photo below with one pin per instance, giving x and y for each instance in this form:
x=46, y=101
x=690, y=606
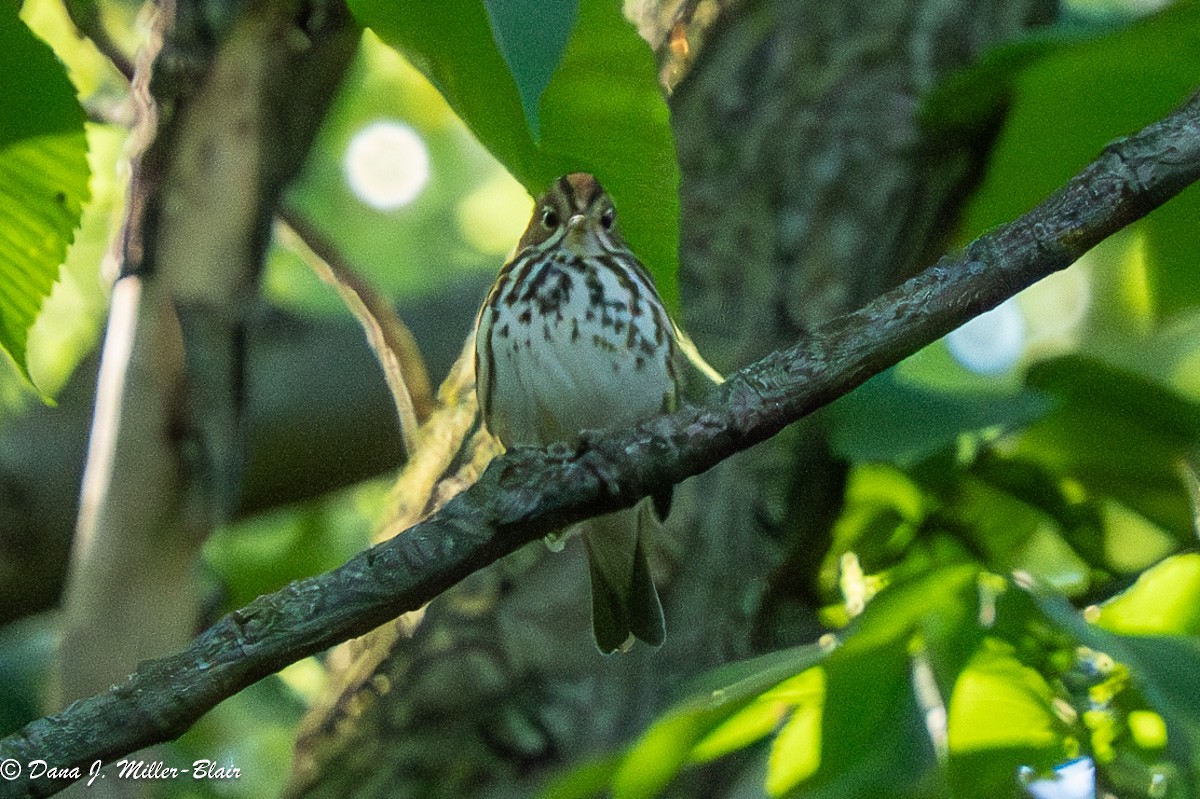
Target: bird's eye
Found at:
x=607, y=218
x=549, y=218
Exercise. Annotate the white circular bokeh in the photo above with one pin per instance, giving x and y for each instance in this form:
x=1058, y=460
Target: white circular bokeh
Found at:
x=387, y=165
x=1075, y=779
x=992, y=342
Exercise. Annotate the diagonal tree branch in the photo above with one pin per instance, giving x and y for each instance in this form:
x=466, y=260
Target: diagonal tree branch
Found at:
x=527, y=493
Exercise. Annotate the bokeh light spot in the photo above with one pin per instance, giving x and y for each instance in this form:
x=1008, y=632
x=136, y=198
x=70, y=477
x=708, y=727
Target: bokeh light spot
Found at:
x=1073, y=780
x=1056, y=308
x=387, y=165
x=992, y=342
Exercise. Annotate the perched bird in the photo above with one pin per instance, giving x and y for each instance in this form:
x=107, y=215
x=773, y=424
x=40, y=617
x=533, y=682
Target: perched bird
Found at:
x=574, y=336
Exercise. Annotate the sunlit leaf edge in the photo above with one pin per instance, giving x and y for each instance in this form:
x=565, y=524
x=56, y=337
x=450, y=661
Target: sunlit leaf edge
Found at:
x=43, y=185
x=43, y=177
x=667, y=746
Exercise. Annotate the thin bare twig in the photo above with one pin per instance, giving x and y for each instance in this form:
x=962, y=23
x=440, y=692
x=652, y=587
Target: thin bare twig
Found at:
x=393, y=343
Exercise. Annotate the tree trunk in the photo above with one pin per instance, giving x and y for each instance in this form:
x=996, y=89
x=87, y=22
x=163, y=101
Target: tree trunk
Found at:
x=227, y=111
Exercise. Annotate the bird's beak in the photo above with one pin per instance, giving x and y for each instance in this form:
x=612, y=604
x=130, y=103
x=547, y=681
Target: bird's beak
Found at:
x=577, y=232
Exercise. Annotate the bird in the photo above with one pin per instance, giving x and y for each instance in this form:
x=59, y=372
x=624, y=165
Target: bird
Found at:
x=574, y=336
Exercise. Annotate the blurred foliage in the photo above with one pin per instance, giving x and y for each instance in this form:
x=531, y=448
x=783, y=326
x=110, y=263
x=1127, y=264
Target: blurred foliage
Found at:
x=43, y=176
x=466, y=218
x=956, y=683
x=265, y=552
x=26, y=651
x=602, y=112
x=1118, y=82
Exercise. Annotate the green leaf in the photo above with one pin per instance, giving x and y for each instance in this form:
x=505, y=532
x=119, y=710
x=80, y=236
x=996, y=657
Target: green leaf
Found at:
x=847, y=717
x=802, y=695
x=1079, y=379
x=532, y=36
x=1079, y=523
x=1015, y=535
x=69, y=324
x=665, y=748
x=890, y=418
x=1164, y=600
x=882, y=511
x=1119, y=434
x=43, y=176
x=1000, y=716
x=602, y=112
x=999, y=703
x=583, y=781
x=1118, y=83
x=796, y=754
x=872, y=741
x=900, y=610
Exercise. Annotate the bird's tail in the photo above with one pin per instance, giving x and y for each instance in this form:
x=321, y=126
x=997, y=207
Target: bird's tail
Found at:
x=625, y=603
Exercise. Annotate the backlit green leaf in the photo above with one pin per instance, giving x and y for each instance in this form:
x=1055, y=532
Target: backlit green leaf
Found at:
x=872, y=738
x=43, y=176
x=582, y=782
x=1000, y=717
x=1164, y=600
x=796, y=753
x=998, y=702
x=665, y=748
x=802, y=695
